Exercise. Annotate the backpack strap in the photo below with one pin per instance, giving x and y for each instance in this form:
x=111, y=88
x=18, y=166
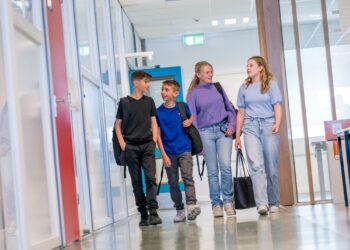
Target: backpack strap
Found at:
x=220, y=90
x=125, y=106
x=161, y=178
x=181, y=106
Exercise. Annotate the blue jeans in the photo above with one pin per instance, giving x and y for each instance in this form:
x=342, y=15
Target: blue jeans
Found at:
x=262, y=154
x=217, y=155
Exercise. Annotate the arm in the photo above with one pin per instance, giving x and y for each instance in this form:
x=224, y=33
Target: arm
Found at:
x=278, y=117
x=118, y=131
x=166, y=159
x=239, y=126
x=192, y=106
x=154, y=128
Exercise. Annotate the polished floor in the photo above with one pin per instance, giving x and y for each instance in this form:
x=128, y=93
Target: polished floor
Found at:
x=323, y=226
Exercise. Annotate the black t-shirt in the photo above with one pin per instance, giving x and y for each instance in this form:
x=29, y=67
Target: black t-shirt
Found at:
x=137, y=126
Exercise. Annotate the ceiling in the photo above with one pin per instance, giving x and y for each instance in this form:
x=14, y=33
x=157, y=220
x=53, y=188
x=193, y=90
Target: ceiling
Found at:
x=157, y=18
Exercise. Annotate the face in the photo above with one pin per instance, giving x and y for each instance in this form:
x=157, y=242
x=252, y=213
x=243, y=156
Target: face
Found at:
x=253, y=69
x=205, y=74
x=168, y=93
x=142, y=85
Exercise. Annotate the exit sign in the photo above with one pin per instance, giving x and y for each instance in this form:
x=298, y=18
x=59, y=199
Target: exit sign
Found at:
x=197, y=39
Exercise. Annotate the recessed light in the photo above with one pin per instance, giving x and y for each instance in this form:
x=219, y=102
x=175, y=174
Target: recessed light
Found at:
x=231, y=21
x=245, y=20
x=215, y=22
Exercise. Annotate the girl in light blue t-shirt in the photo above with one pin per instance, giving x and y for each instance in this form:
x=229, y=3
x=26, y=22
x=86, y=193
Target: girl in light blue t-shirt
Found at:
x=259, y=116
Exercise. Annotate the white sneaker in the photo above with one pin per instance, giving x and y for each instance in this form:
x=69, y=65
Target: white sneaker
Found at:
x=274, y=209
x=180, y=216
x=262, y=210
x=229, y=208
x=217, y=211
x=193, y=211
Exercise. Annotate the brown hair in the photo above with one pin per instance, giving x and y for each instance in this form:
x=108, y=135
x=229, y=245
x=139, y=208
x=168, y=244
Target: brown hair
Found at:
x=172, y=83
x=197, y=69
x=139, y=75
x=265, y=75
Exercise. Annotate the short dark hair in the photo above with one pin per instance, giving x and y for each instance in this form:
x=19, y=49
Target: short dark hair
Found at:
x=172, y=83
x=139, y=75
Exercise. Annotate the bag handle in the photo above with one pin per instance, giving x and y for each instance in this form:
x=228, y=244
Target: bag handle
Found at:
x=240, y=159
x=161, y=178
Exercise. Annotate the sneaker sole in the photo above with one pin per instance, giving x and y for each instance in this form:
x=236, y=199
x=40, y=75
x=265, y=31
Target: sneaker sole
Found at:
x=155, y=223
x=194, y=213
x=179, y=221
x=263, y=212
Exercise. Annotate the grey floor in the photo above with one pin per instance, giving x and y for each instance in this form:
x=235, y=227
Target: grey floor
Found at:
x=323, y=226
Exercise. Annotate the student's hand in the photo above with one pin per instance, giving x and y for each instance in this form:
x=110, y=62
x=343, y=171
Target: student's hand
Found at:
x=186, y=123
x=166, y=161
x=238, y=144
x=228, y=132
x=123, y=145
x=276, y=129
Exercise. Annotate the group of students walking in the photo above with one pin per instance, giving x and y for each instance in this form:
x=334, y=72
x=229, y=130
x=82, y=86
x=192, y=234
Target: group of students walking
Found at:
x=140, y=126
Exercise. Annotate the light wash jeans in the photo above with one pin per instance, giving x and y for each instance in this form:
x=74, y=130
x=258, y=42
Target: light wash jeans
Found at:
x=262, y=154
x=217, y=155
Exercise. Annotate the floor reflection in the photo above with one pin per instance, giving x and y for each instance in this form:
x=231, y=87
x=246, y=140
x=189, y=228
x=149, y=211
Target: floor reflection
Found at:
x=301, y=227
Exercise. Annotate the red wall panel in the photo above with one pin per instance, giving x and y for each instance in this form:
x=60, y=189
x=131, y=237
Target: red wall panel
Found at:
x=63, y=123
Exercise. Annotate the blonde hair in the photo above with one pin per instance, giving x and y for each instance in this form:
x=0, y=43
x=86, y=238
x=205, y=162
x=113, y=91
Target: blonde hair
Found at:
x=265, y=75
x=197, y=69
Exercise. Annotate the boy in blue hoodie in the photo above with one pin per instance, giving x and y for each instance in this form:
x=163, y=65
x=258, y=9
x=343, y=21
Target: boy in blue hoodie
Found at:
x=175, y=147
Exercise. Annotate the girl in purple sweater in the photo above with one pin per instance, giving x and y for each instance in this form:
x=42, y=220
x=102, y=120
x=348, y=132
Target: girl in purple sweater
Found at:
x=215, y=119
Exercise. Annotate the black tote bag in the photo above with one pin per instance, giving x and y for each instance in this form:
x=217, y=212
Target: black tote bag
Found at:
x=243, y=186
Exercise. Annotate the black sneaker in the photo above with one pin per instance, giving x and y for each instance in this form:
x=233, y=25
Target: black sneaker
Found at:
x=144, y=221
x=154, y=219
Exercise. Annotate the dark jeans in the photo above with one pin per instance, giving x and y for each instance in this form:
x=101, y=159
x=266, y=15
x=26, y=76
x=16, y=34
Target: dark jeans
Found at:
x=185, y=163
x=137, y=157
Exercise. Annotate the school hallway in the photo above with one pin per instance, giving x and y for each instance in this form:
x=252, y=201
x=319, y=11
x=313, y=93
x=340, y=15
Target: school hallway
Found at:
x=323, y=226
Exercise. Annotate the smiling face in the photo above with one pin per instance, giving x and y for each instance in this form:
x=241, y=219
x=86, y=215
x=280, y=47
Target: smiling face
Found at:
x=205, y=74
x=253, y=69
x=142, y=84
x=169, y=93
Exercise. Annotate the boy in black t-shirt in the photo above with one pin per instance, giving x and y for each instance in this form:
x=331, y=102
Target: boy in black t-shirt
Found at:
x=137, y=117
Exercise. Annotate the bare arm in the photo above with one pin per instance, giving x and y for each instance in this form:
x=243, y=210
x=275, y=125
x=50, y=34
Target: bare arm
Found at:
x=239, y=126
x=278, y=117
x=166, y=159
x=154, y=128
x=118, y=131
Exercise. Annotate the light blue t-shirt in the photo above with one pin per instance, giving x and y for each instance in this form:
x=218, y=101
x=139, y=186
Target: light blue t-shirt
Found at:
x=259, y=105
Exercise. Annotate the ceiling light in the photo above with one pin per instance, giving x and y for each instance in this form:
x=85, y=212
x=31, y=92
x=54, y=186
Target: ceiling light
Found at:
x=214, y=22
x=315, y=16
x=245, y=20
x=230, y=21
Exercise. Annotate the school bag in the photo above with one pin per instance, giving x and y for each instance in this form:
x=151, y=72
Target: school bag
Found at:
x=193, y=134
x=119, y=154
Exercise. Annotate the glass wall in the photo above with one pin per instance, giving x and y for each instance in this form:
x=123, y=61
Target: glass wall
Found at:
x=8, y=220
x=338, y=13
x=312, y=43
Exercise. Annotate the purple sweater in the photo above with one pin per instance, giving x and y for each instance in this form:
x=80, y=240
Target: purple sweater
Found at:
x=207, y=107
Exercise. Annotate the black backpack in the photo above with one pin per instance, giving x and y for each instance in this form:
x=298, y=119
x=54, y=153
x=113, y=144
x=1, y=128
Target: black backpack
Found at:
x=221, y=91
x=193, y=134
x=119, y=154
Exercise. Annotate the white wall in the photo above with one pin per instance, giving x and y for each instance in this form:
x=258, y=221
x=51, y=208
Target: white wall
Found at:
x=226, y=51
